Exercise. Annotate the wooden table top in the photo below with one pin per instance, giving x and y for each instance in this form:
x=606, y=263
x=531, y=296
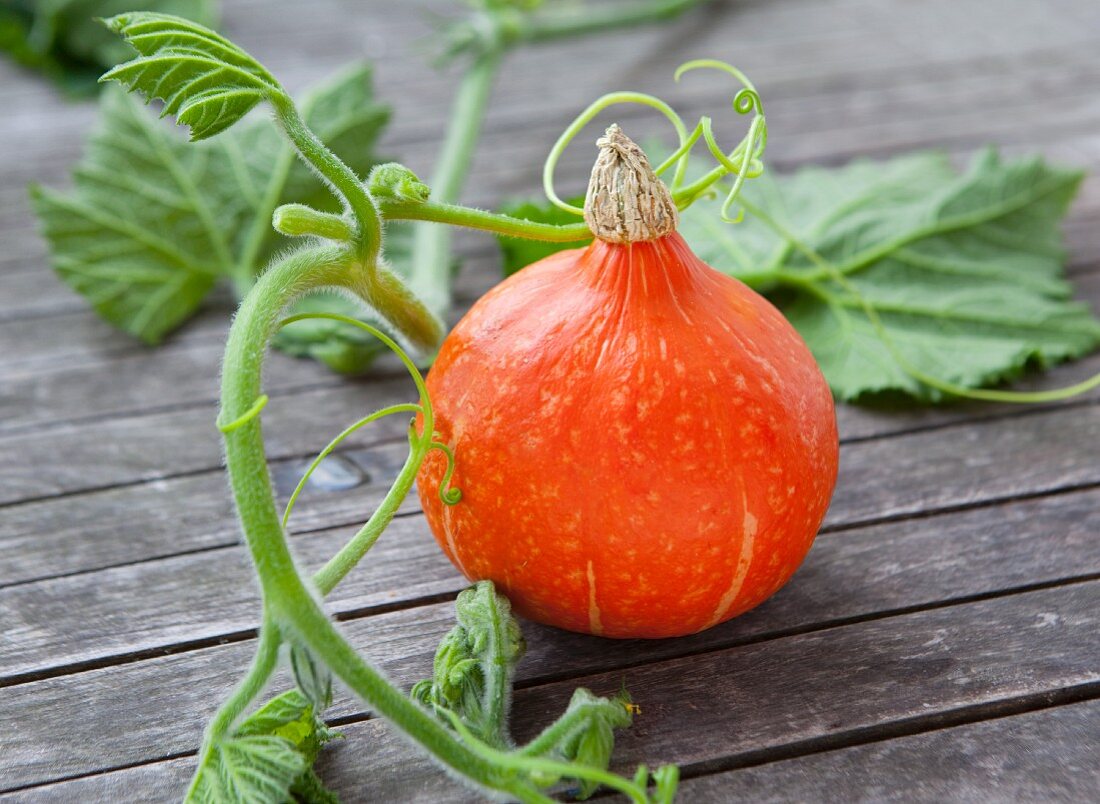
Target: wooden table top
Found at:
x=942, y=640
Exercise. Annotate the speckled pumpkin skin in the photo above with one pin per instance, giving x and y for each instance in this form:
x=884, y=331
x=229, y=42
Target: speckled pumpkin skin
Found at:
x=645, y=446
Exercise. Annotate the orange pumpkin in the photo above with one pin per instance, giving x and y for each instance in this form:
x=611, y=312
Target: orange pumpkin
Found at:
x=645, y=446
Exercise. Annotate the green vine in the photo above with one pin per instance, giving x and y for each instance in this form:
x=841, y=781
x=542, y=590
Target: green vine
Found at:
x=209, y=84
x=743, y=162
x=826, y=269
x=497, y=27
x=459, y=716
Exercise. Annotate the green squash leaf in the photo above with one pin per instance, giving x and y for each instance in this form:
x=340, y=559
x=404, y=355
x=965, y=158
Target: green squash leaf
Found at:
x=591, y=740
x=269, y=757
x=964, y=271
x=153, y=222
x=253, y=768
x=63, y=40
x=474, y=664
x=136, y=237
x=205, y=81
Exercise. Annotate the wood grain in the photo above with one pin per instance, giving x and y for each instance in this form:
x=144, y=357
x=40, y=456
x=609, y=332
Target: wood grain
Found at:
x=938, y=640
x=931, y=563
x=1043, y=756
x=918, y=670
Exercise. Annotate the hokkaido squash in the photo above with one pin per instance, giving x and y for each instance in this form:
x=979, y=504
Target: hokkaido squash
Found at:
x=645, y=447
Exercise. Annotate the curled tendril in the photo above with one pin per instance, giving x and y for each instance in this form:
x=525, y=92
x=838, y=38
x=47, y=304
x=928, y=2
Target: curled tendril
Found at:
x=448, y=494
x=407, y=407
x=745, y=101
x=744, y=161
x=424, y=409
x=585, y=117
x=246, y=417
x=679, y=156
x=750, y=166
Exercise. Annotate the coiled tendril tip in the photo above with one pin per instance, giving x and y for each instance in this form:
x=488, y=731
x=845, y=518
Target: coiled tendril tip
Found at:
x=744, y=161
x=448, y=494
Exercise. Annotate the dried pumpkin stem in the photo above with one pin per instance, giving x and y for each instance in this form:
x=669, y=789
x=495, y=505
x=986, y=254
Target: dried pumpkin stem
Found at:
x=626, y=202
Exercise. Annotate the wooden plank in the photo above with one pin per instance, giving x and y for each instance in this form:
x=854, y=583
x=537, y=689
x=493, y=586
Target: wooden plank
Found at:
x=403, y=643
x=847, y=577
x=1046, y=755
x=127, y=525
x=1001, y=459
x=144, y=607
x=171, y=443
x=140, y=383
x=1044, y=450
x=76, y=337
x=781, y=697
x=161, y=445
x=1049, y=755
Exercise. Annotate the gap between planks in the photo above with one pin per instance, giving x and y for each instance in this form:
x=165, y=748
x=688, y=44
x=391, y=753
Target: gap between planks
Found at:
x=859, y=521
x=1003, y=622
x=419, y=601
x=990, y=413
x=377, y=462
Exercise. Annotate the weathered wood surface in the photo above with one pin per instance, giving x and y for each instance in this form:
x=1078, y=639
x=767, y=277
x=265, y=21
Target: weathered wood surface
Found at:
x=940, y=642
x=929, y=668
x=935, y=561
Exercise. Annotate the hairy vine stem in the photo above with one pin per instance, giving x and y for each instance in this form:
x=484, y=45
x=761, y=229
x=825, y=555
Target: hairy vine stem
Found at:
x=379, y=287
x=501, y=27
x=431, y=244
x=805, y=281
x=290, y=607
x=470, y=218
